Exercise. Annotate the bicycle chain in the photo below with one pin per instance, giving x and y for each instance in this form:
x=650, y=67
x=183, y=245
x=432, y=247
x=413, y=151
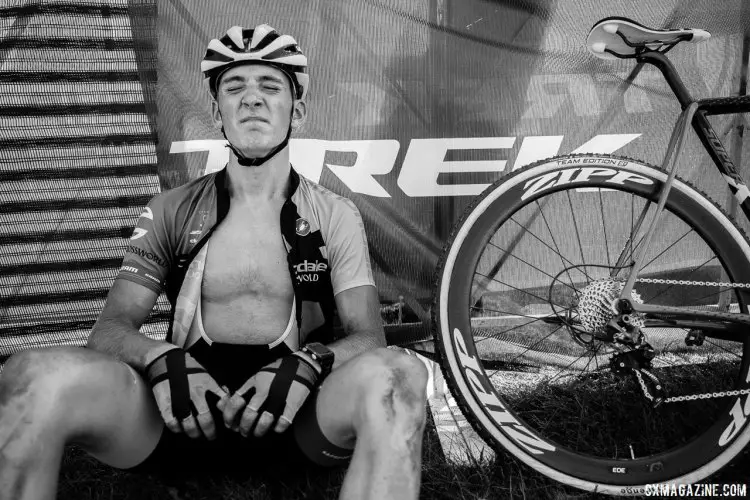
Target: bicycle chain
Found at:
x=707, y=395
x=659, y=281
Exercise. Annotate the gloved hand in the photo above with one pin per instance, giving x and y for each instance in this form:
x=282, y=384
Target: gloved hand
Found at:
x=271, y=397
x=181, y=385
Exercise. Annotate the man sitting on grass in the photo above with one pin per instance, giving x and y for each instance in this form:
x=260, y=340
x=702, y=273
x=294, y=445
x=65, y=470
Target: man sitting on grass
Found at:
x=253, y=259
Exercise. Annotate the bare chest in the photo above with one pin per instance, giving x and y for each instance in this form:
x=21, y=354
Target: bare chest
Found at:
x=246, y=258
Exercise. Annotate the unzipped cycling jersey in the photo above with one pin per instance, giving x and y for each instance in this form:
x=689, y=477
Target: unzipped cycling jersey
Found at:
x=323, y=234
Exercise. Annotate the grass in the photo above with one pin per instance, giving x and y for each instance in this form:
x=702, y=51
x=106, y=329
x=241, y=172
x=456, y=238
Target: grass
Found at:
x=83, y=478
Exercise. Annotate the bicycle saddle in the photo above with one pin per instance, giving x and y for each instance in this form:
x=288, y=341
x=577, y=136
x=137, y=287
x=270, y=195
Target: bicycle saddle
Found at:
x=619, y=37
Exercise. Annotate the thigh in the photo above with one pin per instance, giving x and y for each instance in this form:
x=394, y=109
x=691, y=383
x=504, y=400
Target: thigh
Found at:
x=130, y=433
x=91, y=400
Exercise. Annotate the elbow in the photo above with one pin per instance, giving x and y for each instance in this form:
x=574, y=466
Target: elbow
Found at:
x=95, y=340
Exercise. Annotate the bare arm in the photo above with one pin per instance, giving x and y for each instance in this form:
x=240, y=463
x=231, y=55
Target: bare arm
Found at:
x=117, y=331
x=359, y=310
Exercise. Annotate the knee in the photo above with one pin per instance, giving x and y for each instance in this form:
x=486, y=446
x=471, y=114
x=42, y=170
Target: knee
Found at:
x=393, y=381
x=39, y=376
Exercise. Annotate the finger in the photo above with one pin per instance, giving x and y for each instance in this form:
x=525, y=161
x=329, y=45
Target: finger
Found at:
x=165, y=410
x=236, y=403
x=206, y=424
x=264, y=423
x=190, y=426
x=233, y=411
x=202, y=408
x=173, y=425
x=291, y=409
x=248, y=419
x=250, y=413
x=283, y=424
x=222, y=403
x=217, y=389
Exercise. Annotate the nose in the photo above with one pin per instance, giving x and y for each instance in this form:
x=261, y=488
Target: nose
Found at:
x=251, y=99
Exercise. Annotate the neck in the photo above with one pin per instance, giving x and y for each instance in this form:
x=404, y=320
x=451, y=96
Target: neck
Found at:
x=265, y=182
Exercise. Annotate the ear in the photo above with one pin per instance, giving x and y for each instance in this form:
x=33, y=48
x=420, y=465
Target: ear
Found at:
x=299, y=114
x=215, y=113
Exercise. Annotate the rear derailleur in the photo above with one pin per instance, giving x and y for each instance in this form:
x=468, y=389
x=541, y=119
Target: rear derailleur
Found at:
x=637, y=359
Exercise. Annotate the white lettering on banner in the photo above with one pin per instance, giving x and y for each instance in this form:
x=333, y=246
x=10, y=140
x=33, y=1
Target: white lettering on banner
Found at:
x=218, y=153
x=496, y=409
x=373, y=158
x=546, y=94
x=424, y=160
x=537, y=148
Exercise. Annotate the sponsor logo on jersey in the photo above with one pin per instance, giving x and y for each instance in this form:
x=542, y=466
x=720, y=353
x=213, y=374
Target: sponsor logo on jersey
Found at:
x=310, y=271
x=152, y=278
x=139, y=232
x=302, y=226
x=129, y=269
x=146, y=255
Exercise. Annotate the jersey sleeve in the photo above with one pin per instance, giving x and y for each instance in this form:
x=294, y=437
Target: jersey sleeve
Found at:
x=148, y=256
x=347, y=249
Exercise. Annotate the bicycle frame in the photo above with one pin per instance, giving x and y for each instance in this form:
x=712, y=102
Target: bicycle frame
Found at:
x=695, y=112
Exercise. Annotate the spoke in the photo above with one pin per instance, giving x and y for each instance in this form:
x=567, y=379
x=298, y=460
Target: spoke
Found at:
x=559, y=253
x=564, y=369
x=714, y=294
x=634, y=228
x=521, y=290
x=495, y=335
x=529, y=348
x=604, y=228
x=533, y=266
x=666, y=249
x=693, y=271
x=578, y=234
x=723, y=348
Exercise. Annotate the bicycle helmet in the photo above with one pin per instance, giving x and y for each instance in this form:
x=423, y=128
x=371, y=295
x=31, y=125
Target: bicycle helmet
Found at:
x=261, y=44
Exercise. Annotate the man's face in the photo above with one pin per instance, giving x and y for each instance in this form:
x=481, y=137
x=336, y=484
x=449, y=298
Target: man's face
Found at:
x=254, y=104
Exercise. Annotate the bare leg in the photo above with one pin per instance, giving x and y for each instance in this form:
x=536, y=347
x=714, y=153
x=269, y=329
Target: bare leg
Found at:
x=377, y=399
x=52, y=397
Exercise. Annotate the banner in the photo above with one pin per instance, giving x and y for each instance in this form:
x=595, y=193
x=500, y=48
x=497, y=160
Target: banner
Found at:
x=415, y=106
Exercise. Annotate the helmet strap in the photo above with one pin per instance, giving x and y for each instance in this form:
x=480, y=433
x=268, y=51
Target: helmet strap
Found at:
x=254, y=162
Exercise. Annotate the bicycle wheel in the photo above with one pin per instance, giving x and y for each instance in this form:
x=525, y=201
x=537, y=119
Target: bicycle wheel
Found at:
x=522, y=350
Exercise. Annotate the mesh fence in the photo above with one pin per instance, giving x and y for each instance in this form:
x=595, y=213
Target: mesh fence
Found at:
x=77, y=162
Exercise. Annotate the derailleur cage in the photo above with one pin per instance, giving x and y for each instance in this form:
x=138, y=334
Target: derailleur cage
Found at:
x=636, y=359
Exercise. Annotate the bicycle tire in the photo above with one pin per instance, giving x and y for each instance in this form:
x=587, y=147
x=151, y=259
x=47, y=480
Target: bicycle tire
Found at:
x=491, y=412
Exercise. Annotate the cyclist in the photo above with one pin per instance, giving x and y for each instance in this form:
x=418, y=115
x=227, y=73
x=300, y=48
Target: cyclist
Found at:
x=253, y=259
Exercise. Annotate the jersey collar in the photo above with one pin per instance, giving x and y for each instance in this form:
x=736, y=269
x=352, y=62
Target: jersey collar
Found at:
x=221, y=184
